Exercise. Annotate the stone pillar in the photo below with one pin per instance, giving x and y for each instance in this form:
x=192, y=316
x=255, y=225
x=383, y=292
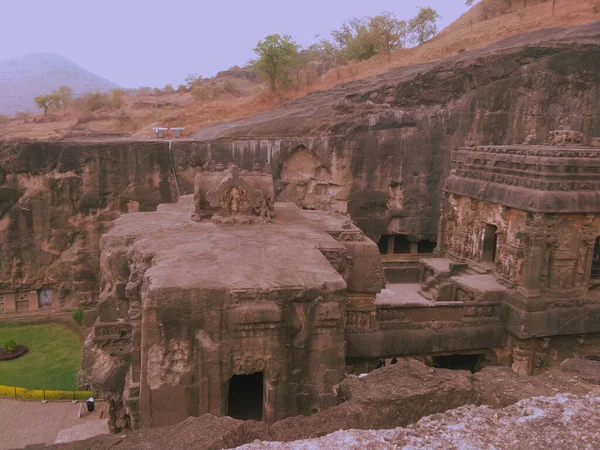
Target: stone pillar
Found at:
x=414, y=247
x=390, y=244
x=34, y=304
x=532, y=266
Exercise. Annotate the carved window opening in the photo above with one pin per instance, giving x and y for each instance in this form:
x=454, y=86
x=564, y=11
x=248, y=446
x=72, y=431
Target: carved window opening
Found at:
x=595, y=273
x=245, y=401
x=44, y=297
x=395, y=244
x=383, y=244
x=490, y=241
x=425, y=246
x=458, y=362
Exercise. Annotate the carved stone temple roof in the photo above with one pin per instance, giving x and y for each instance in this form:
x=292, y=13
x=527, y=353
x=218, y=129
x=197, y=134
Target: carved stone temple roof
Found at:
x=538, y=178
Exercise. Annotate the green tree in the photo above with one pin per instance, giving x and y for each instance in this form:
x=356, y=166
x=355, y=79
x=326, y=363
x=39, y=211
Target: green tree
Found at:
x=168, y=89
x=47, y=101
x=277, y=56
x=423, y=26
x=329, y=53
x=389, y=33
x=65, y=93
x=356, y=39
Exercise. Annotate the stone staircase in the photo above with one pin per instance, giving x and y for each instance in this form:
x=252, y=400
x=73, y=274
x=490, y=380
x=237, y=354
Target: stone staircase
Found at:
x=445, y=280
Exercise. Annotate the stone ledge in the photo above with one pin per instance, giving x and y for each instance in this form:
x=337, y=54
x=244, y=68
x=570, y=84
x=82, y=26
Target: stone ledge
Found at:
x=551, y=322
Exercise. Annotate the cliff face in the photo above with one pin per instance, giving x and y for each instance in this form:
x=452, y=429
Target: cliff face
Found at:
x=378, y=148
x=57, y=199
x=386, y=140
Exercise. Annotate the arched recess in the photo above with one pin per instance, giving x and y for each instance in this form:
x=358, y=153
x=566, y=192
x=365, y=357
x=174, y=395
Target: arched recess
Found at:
x=298, y=168
x=306, y=181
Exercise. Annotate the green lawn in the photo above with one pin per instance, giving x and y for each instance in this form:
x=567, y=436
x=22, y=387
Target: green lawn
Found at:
x=54, y=358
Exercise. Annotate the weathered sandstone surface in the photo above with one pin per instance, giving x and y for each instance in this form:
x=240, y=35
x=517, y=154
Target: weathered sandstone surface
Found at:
x=564, y=421
x=57, y=199
x=383, y=144
x=378, y=148
x=400, y=395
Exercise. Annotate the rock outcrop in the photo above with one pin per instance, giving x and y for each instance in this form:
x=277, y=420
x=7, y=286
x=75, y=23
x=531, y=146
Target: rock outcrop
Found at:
x=199, y=433
x=564, y=421
x=399, y=395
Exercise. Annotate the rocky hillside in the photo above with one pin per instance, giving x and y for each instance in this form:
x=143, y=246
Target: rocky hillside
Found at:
x=564, y=421
x=485, y=23
x=22, y=79
x=379, y=147
x=387, y=139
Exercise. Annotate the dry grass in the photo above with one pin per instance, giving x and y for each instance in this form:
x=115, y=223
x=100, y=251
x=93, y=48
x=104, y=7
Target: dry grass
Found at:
x=137, y=116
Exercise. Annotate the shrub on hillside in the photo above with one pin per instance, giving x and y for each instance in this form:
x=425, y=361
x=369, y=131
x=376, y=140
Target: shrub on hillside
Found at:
x=97, y=100
x=116, y=98
x=200, y=92
x=22, y=115
x=78, y=315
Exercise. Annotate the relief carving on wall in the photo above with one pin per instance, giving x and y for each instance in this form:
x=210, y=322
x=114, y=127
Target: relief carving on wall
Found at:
x=375, y=279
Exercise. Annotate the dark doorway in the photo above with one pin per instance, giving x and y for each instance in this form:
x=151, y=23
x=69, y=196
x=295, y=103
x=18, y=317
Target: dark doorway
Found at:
x=425, y=246
x=458, y=362
x=401, y=244
x=489, y=243
x=383, y=245
x=595, y=275
x=246, y=397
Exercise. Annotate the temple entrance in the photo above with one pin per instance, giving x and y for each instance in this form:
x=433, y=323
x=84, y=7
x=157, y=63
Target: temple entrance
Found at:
x=458, y=362
x=246, y=397
x=490, y=240
x=595, y=274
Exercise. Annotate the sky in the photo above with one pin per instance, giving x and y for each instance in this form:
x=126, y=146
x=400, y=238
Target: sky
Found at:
x=151, y=43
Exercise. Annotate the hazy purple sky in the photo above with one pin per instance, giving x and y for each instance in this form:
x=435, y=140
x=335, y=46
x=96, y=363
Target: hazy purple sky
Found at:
x=151, y=43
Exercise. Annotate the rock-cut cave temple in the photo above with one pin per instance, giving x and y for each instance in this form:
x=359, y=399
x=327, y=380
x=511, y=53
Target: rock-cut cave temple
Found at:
x=233, y=302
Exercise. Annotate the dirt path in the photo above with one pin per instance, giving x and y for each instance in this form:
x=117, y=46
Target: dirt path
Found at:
x=30, y=422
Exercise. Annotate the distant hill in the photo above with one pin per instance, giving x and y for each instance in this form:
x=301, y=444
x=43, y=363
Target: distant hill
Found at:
x=21, y=79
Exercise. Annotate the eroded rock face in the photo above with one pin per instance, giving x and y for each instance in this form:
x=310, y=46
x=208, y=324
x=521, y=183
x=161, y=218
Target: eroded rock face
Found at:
x=564, y=421
x=57, y=199
x=378, y=148
x=382, y=145
x=199, y=433
x=388, y=397
x=400, y=395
